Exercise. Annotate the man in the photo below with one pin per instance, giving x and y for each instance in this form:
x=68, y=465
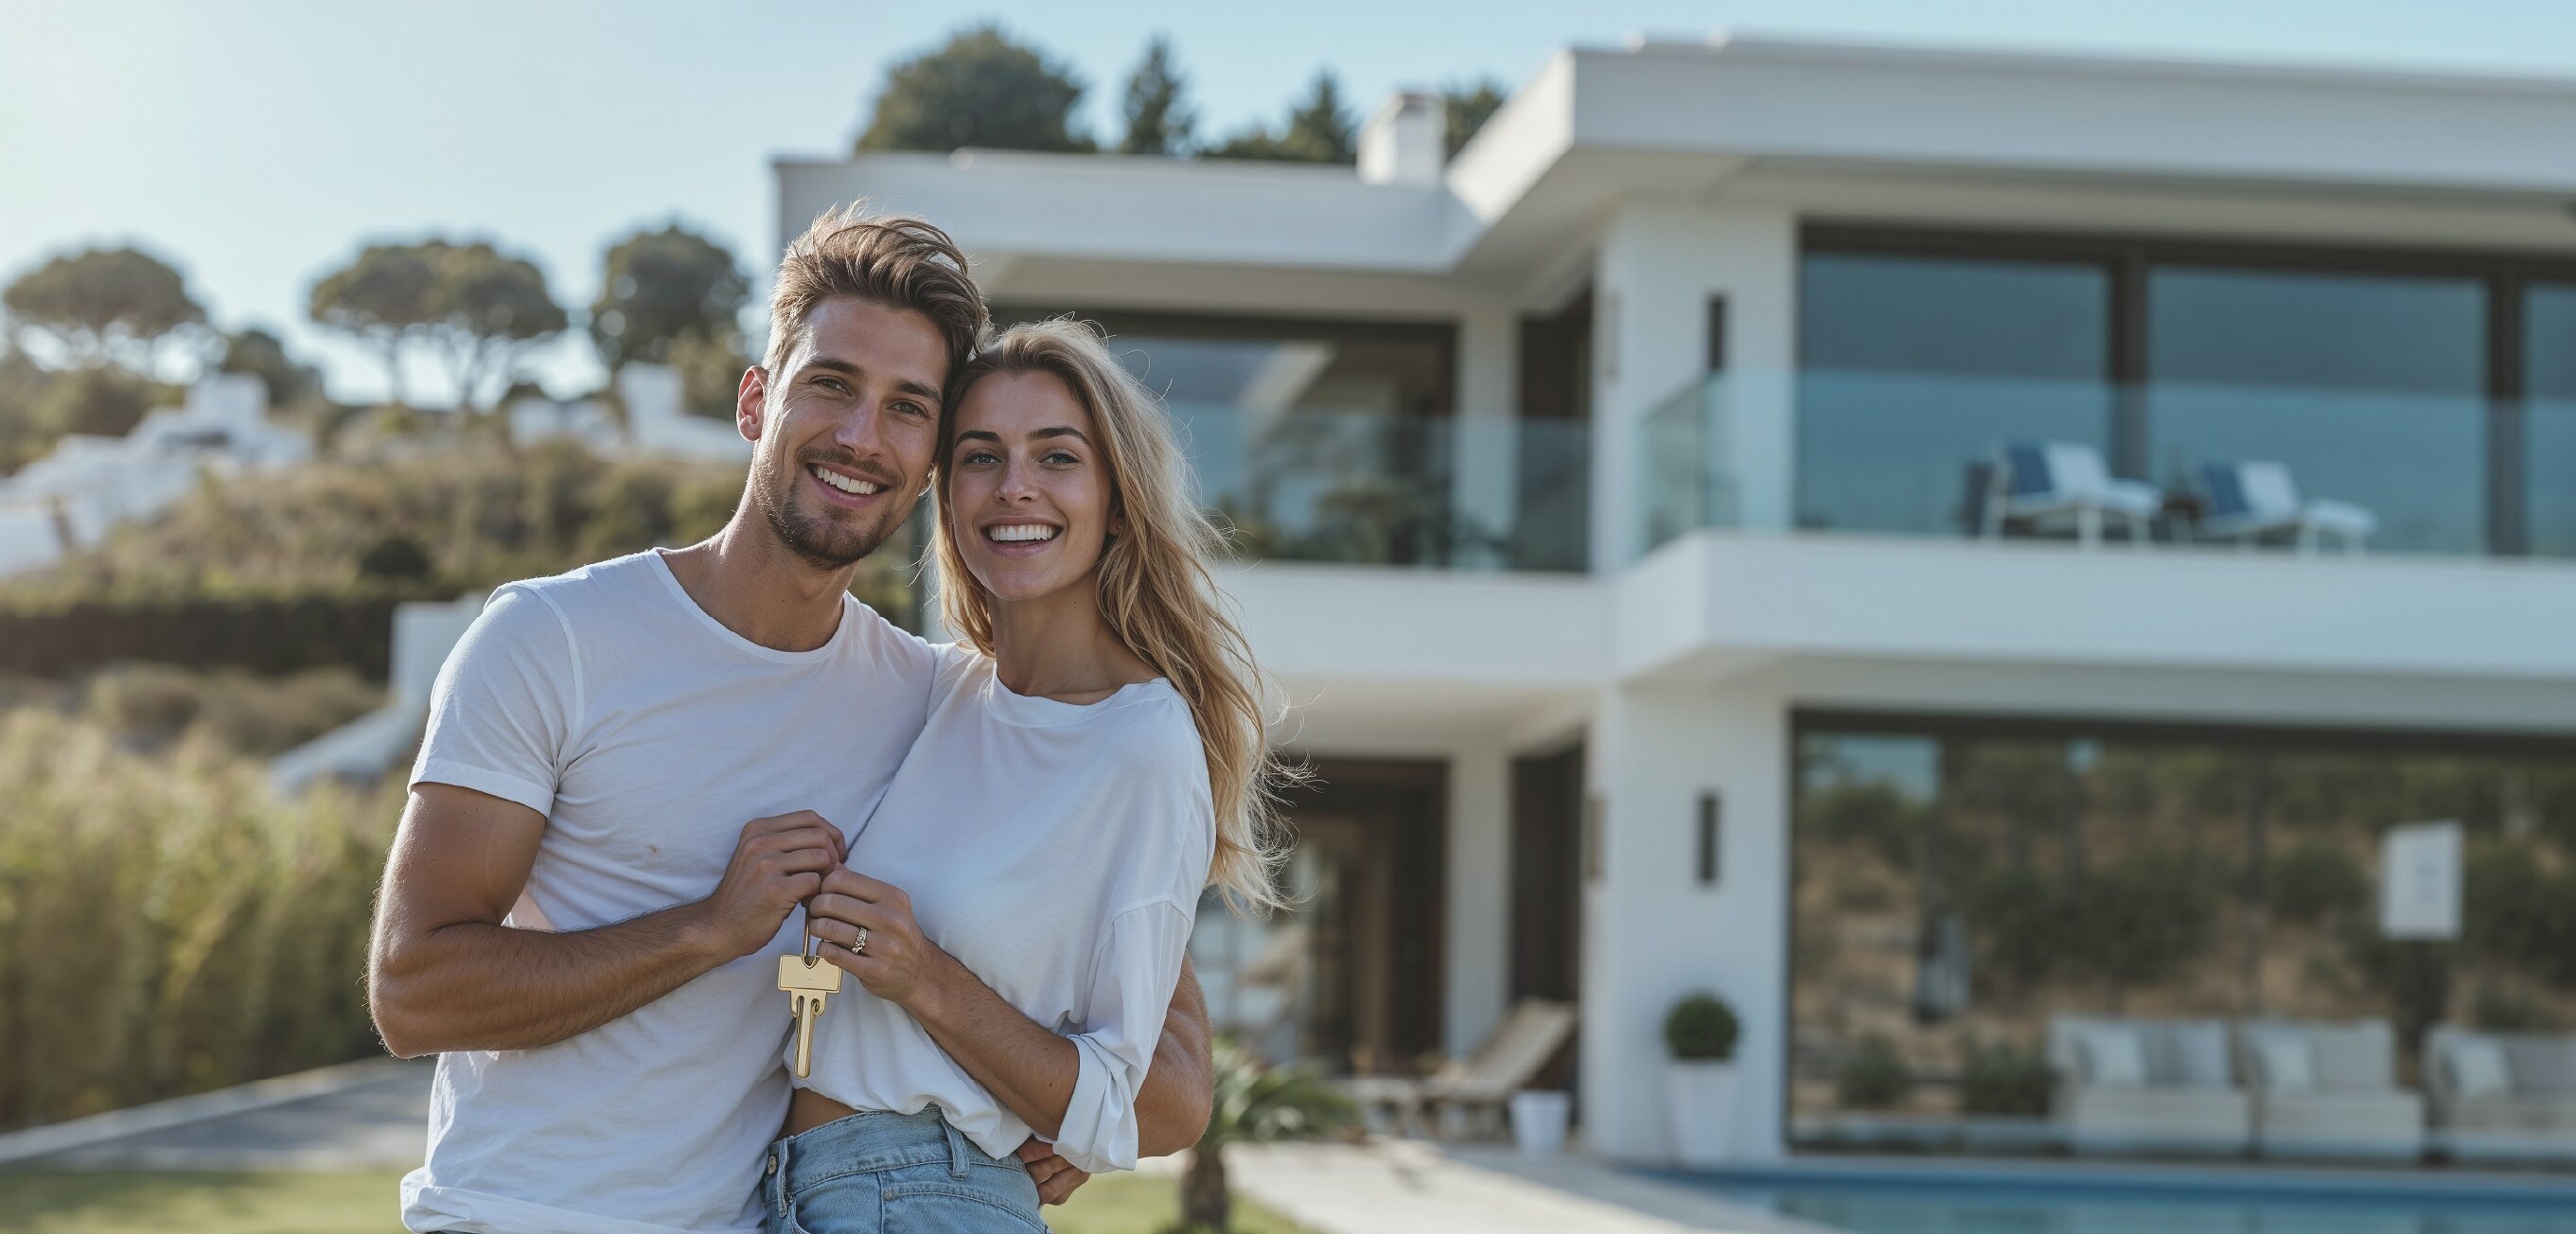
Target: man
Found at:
x=575, y=916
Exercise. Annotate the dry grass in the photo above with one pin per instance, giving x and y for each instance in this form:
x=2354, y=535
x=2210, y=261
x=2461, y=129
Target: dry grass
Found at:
x=167, y=923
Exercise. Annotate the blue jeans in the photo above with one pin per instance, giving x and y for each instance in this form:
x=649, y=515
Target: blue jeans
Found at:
x=876, y=1172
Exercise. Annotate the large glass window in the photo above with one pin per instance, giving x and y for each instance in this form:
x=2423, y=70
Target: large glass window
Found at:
x=1962, y=892
x=1316, y=441
x=2370, y=389
x=2549, y=418
x=1914, y=370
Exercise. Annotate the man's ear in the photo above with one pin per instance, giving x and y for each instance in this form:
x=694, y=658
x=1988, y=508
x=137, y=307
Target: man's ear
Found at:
x=751, y=402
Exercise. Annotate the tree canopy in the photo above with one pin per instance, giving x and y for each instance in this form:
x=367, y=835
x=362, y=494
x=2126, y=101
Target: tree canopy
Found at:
x=475, y=308
x=979, y=89
x=263, y=355
x=1159, y=119
x=103, y=304
x=1465, y=109
x=659, y=286
x=1319, y=129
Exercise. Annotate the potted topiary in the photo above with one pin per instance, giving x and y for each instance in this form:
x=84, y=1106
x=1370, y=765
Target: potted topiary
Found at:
x=1700, y=1032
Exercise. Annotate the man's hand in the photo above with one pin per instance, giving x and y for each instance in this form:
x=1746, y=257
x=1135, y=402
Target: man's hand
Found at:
x=777, y=864
x=1056, y=1178
x=897, y=963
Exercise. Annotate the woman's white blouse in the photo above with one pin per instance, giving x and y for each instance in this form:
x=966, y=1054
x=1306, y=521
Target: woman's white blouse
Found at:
x=1058, y=851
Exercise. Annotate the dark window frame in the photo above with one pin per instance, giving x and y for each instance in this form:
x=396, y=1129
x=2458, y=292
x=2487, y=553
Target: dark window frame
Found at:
x=1942, y=725
x=2505, y=276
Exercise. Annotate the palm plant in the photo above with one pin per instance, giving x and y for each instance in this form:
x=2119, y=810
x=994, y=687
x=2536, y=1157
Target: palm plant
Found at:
x=1255, y=1103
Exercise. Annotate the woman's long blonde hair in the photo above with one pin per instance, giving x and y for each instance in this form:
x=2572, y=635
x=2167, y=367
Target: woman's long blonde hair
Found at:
x=1156, y=591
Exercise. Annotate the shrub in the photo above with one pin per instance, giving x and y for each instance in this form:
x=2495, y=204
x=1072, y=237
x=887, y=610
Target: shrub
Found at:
x=2004, y=1079
x=1873, y=1077
x=2314, y=882
x=1701, y=1027
x=395, y=556
x=167, y=925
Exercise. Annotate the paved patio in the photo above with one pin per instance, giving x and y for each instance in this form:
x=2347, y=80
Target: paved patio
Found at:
x=375, y=1115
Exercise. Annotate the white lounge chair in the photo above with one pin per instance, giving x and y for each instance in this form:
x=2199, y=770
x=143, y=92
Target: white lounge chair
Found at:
x=2147, y=1086
x=2250, y=500
x=2329, y=1089
x=1482, y=1084
x=2062, y=479
x=2502, y=1096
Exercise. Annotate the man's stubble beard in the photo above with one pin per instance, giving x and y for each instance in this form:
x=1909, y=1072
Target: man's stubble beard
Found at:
x=818, y=539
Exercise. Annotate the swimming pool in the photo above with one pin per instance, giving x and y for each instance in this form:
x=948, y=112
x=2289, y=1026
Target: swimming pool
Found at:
x=1974, y=1200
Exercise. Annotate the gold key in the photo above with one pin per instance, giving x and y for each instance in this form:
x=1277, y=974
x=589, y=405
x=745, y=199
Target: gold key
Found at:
x=809, y=979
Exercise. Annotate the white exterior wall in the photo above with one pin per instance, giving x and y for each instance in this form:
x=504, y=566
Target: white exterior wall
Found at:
x=1652, y=933
x=1659, y=267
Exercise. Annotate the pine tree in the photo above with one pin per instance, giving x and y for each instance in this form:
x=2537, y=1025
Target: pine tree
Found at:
x=1158, y=119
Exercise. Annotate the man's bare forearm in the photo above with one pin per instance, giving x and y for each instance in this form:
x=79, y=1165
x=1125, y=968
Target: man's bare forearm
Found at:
x=473, y=985
x=1173, y=1106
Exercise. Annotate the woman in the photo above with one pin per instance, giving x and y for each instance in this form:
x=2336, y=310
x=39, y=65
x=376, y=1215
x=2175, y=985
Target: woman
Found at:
x=1018, y=907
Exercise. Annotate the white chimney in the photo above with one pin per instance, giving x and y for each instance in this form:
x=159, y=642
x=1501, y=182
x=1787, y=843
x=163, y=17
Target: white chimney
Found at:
x=1401, y=143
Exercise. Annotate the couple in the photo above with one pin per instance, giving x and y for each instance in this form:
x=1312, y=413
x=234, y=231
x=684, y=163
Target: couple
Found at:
x=1002, y=841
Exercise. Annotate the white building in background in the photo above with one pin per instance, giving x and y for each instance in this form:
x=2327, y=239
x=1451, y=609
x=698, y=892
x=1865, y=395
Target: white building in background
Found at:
x=86, y=485
x=1664, y=507
x=656, y=422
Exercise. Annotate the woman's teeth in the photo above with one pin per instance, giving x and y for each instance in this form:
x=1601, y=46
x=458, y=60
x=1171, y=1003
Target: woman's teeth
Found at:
x=1019, y=532
x=856, y=488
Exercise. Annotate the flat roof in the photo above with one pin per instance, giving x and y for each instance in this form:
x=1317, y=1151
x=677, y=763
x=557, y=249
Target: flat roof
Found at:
x=1664, y=118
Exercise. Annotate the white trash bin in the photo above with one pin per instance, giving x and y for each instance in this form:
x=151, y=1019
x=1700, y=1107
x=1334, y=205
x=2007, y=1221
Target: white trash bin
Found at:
x=1538, y=1120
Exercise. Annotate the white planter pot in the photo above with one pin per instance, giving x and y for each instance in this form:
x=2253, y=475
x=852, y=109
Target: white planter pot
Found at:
x=1703, y=1104
x=1538, y=1120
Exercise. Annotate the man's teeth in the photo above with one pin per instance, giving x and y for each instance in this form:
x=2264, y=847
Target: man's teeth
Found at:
x=1021, y=531
x=858, y=488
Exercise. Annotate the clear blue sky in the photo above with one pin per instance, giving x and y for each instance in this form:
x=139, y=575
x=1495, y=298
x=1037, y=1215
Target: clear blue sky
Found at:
x=256, y=142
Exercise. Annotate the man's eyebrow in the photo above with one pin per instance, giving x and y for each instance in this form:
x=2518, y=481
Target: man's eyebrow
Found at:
x=907, y=385
x=1061, y=430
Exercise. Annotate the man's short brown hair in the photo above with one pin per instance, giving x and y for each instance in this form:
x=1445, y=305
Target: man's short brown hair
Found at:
x=893, y=260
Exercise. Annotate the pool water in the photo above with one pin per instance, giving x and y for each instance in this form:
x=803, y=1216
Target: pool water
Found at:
x=2180, y=1206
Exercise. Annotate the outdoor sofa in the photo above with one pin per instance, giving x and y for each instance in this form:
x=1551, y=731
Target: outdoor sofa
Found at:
x=2329, y=1089
x=2135, y=1085
x=2502, y=1096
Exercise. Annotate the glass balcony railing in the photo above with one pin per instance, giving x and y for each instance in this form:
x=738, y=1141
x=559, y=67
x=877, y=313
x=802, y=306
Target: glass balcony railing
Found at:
x=1364, y=487
x=1686, y=470
x=1882, y=452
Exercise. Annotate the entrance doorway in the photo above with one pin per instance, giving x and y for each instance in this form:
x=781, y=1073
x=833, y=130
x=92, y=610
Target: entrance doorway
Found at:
x=1349, y=973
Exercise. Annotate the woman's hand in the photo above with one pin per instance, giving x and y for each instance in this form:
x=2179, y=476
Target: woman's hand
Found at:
x=1056, y=1178
x=896, y=962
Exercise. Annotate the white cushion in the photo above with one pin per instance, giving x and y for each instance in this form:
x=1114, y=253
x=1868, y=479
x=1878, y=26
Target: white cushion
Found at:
x=2198, y=1055
x=2478, y=1070
x=2289, y=1066
x=2113, y=1057
x=2268, y=488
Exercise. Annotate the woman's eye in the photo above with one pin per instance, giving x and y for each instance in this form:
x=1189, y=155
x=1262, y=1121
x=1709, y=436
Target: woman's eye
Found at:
x=832, y=384
x=1059, y=457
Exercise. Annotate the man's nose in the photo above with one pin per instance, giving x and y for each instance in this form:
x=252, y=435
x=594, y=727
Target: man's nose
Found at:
x=860, y=432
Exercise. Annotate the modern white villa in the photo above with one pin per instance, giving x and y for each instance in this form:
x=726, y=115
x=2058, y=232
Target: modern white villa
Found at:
x=1966, y=556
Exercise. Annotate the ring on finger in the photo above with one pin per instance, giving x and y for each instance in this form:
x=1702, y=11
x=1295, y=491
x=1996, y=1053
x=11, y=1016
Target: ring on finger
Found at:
x=859, y=945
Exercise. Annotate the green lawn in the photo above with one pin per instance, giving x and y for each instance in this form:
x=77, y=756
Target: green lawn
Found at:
x=107, y=1202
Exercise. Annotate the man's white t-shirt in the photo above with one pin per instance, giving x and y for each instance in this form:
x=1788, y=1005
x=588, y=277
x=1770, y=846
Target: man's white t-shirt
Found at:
x=1057, y=850
x=647, y=733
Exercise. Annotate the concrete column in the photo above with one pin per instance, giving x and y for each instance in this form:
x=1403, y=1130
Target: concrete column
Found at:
x=1658, y=268
x=1484, y=454
x=1653, y=933
x=1477, y=967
